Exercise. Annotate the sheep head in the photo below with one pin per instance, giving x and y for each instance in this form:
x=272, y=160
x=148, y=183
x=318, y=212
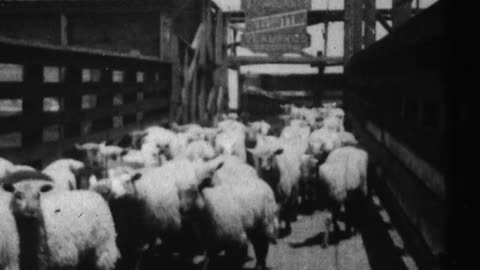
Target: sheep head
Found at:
x=266, y=157
x=25, y=201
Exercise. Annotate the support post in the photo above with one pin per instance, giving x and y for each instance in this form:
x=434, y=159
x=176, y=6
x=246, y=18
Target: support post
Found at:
x=369, y=35
x=352, y=28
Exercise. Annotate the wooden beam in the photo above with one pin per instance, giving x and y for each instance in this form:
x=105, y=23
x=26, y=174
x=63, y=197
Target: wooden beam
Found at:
x=219, y=38
x=385, y=24
x=401, y=12
x=258, y=60
x=314, y=16
x=369, y=35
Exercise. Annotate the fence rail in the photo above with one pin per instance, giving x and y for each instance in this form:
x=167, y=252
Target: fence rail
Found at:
x=96, y=95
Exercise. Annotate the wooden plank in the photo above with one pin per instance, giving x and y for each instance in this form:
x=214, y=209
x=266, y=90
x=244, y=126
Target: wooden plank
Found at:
x=314, y=16
x=419, y=215
x=352, y=28
x=253, y=60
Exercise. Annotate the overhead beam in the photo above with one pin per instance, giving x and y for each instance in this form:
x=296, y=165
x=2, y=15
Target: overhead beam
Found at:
x=385, y=24
x=259, y=60
x=317, y=16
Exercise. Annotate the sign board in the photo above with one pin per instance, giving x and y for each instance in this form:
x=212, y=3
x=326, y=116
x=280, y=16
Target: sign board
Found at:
x=276, y=26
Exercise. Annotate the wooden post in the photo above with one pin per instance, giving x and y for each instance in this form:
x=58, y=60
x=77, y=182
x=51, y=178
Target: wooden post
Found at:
x=193, y=99
x=63, y=30
x=352, y=28
x=176, y=84
x=370, y=23
x=73, y=101
x=165, y=38
x=401, y=12
x=185, y=93
x=32, y=104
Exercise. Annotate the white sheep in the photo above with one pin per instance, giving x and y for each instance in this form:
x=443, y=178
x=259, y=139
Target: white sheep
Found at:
x=199, y=150
x=5, y=167
x=66, y=173
x=279, y=166
x=344, y=173
x=155, y=202
x=62, y=229
x=240, y=207
x=232, y=142
x=9, y=242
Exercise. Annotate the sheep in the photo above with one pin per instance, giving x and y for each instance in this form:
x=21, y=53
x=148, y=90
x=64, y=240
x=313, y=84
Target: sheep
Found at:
x=238, y=208
x=22, y=175
x=199, y=150
x=309, y=173
x=136, y=159
x=232, y=142
x=9, y=242
x=5, y=167
x=62, y=229
x=345, y=175
x=261, y=127
x=155, y=202
x=280, y=167
x=67, y=174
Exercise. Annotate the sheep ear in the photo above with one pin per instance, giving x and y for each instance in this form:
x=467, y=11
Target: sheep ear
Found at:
x=136, y=177
x=278, y=152
x=92, y=180
x=8, y=188
x=46, y=188
x=124, y=152
x=78, y=146
x=219, y=165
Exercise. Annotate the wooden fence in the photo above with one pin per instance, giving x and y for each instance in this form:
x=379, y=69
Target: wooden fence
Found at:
x=100, y=95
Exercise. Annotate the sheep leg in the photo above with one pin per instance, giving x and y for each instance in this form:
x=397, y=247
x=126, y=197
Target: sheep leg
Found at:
x=260, y=247
x=237, y=256
x=326, y=236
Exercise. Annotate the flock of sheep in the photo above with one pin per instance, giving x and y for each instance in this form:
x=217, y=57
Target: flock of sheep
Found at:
x=185, y=189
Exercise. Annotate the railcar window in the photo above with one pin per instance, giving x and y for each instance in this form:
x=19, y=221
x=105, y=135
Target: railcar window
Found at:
x=10, y=107
x=117, y=76
x=52, y=74
x=89, y=102
x=91, y=75
x=86, y=127
x=11, y=72
x=11, y=140
x=52, y=104
x=117, y=99
x=117, y=121
x=140, y=77
x=51, y=133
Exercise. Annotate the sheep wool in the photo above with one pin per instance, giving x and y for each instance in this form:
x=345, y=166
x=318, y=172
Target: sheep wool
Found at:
x=9, y=242
x=63, y=227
